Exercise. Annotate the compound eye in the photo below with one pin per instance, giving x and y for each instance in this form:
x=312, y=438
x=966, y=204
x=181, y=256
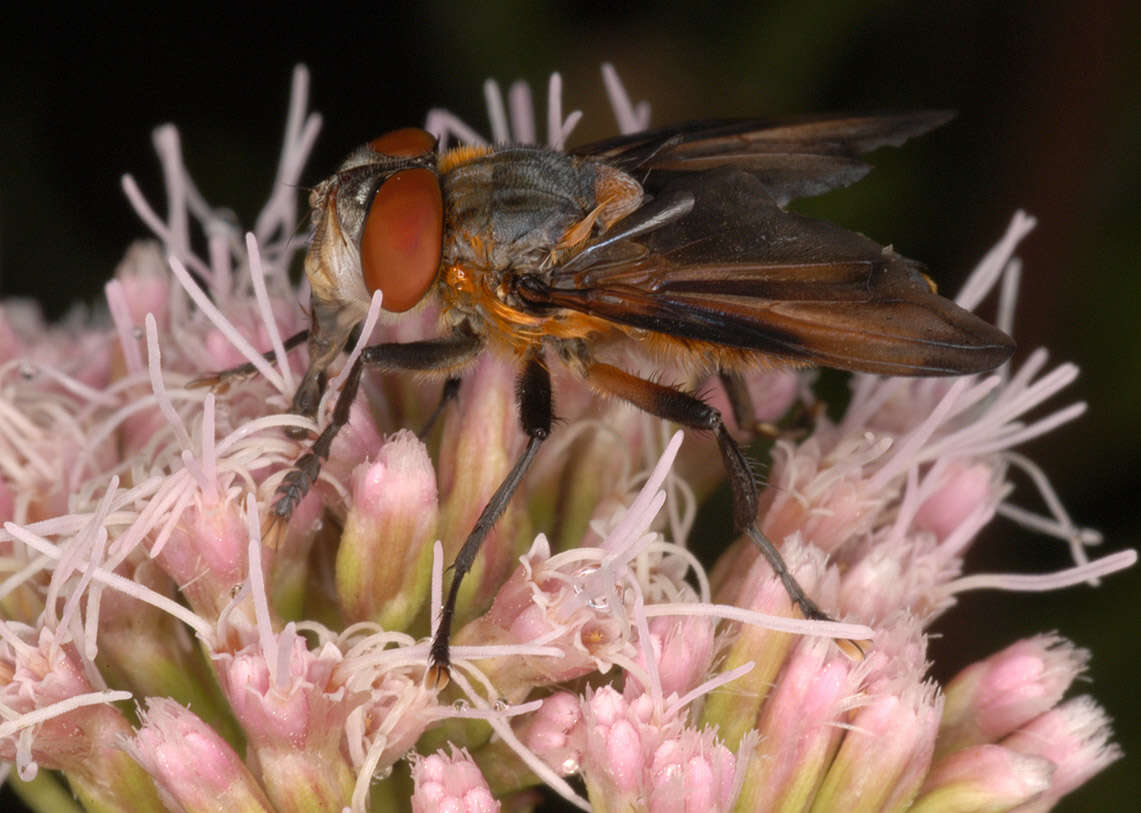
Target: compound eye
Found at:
x=403, y=238
x=404, y=143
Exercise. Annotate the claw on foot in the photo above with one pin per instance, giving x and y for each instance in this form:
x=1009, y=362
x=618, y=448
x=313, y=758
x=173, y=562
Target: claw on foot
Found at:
x=851, y=648
x=809, y=610
x=437, y=677
x=273, y=530
x=217, y=382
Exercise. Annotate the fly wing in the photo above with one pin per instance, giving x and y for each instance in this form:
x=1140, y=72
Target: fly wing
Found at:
x=726, y=265
x=792, y=159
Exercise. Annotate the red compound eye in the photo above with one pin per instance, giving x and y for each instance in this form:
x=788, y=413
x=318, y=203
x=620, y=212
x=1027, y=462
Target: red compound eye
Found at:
x=406, y=143
x=403, y=236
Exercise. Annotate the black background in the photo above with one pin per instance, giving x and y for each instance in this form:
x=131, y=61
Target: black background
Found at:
x=1049, y=101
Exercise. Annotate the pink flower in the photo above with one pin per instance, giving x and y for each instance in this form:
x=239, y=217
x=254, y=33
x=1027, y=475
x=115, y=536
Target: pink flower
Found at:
x=194, y=768
x=984, y=777
x=450, y=785
x=59, y=716
x=1074, y=736
x=384, y=558
x=636, y=757
x=993, y=697
x=143, y=562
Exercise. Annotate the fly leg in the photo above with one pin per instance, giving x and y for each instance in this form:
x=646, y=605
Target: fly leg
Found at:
x=798, y=423
x=440, y=355
x=688, y=410
x=223, y=378
x=740, y=401
x=533, y=392
x=449, y=393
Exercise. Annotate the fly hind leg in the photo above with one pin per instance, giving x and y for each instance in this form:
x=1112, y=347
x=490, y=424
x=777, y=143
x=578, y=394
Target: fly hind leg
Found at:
x=741, y=402
x=688, y=410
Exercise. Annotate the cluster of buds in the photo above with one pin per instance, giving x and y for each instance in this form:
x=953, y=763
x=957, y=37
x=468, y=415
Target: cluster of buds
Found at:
x=161, y=648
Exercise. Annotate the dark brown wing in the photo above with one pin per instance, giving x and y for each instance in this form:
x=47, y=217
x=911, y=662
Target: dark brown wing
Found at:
x=793, y=158
x=713, y=258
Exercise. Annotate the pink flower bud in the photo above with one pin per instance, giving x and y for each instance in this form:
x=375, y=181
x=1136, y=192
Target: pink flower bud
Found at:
x=633, y=753
x=683, y=649
x=983, y=777
x=144, y=283
x=1075, y=737
x=555, y=733
x=292, y=706
x=195, y=769
x=693, y=773
x=825, y=496
x=800, y=727
x=206, y=553
x=480, y=441
x=83, y=737
x=384, y=559
x=962, y=492
x=885, y=753
x=736, y=707
x=545, y=600
x=993, y=697
x=450, y=784
x=619, y=744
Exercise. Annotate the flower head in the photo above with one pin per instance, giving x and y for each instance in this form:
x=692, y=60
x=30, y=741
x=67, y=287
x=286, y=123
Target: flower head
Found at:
x=142, y=560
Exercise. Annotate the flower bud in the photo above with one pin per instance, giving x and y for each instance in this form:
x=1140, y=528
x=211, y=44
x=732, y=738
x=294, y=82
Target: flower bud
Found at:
x=983, y=778
x=195, y=769
x=384, y=560
x=479, y=444
x=1075, y=737
x=799, y=727
x=450, y=783
x=991, y=698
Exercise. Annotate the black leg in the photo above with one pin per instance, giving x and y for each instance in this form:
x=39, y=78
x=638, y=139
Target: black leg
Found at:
x=442, y=355
x=298, y=481
x=450, y=392
x=739, y=401
x=223, y=378
x=533, y=392
x=688, y=410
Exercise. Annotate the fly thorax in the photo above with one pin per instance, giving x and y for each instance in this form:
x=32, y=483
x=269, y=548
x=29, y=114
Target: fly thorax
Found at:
x=510, y=209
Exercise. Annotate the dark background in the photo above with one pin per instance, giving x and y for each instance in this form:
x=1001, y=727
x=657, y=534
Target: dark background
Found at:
x=1049, y=101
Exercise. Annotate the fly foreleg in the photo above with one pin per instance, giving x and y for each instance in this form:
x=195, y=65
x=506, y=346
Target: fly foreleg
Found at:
x=223, y=378
x=442, y=355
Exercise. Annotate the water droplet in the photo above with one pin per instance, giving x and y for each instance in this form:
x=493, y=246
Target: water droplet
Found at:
x=501, y=704
x=461, y=705
x=28, y=371
x=137, y=332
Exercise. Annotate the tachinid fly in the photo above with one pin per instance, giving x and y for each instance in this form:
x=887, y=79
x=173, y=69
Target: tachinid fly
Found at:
x=671, y=245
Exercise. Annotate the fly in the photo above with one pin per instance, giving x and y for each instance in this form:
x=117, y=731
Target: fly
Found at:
x=674, y=244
